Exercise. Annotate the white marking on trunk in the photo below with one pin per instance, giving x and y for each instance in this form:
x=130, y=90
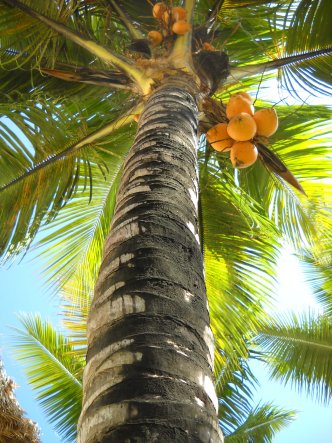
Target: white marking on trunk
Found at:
x=192, y=229
x=121, y=358
x=209, y=340
x=208, y=386
x=109, y=311
x=137, y=189
x=141, y=172
x=125, y=232
x=188, y=296
x=199, y=402
x=109, y=358
x=178, y=348
x=114, y=264
x=193, y=196
x=94, y=425
x=106, y=294
x=127, y=304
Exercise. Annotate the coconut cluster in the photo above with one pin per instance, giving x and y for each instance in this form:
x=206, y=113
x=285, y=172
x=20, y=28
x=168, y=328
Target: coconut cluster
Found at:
x=237, y=135
x=172, y=20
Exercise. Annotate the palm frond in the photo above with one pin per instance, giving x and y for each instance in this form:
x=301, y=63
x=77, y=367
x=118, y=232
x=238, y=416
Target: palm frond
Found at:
x=261, y=425
x=240, y=252
x=283, y=62
x=73, y=243
x=110, y=79
x=36, y=161
x=29, y=46
x=234, y=387
x=306, y=19
x=134, y=32
x=62, y=29
x=22, y=83
x=299, y=352
x=317, y=272
x=53, y=370
x=76, y=297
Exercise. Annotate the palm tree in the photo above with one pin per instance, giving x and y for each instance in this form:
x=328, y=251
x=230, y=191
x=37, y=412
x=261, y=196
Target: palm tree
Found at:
x=14, y=426
x=150, y=356
x=54, y=363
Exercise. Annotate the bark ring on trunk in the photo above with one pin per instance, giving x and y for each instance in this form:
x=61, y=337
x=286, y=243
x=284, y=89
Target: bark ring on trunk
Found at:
x=150, y=357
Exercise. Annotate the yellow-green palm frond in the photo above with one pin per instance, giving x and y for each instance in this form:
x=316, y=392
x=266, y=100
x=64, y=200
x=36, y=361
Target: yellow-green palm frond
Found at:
x=234, y=387
x=317, y=268
x=53, y=369
x=76, y=297
x=299, y=351
x=304, y=28
x=46, y=148
x=241, y=246
x=261, y=424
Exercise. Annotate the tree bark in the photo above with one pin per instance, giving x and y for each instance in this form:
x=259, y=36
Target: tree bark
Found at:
x=149, y=363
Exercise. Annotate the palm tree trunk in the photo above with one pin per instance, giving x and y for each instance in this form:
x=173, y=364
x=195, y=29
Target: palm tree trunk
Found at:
x=150, y=357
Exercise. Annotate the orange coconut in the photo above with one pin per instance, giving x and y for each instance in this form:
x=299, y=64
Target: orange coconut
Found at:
x=244, y=95
x=136, y=117
x=165, y=17
x=218, y=137
x=178, y=13
x=242, y=127
x=181, y=27
x=208, y=47
x=266, y=121
x=158, y=10
x=243, y=154
x=237, y=104
x=155, y=37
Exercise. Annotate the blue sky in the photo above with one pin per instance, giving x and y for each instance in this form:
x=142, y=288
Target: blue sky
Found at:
x=22, y=291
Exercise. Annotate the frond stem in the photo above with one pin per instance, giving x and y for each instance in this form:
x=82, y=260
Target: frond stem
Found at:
x=134, y=33
x=96, y=49
x=91, y=138
x=244, y=71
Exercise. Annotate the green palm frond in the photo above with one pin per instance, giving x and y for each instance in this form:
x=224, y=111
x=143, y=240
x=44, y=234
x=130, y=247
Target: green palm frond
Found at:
x=241, y=247
x=30, y=45
x=134, y=32
x=76, y=297
x=261, y=33
x=53, y=370
x=319, y=279
x=299, y=351
x=261, y=424
x=317, y=261
x=234, y=389
x=73, y=243
x=85, y=41
x=33, y=159
x=306, y=19
x=318, y=275
x=20, y=83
